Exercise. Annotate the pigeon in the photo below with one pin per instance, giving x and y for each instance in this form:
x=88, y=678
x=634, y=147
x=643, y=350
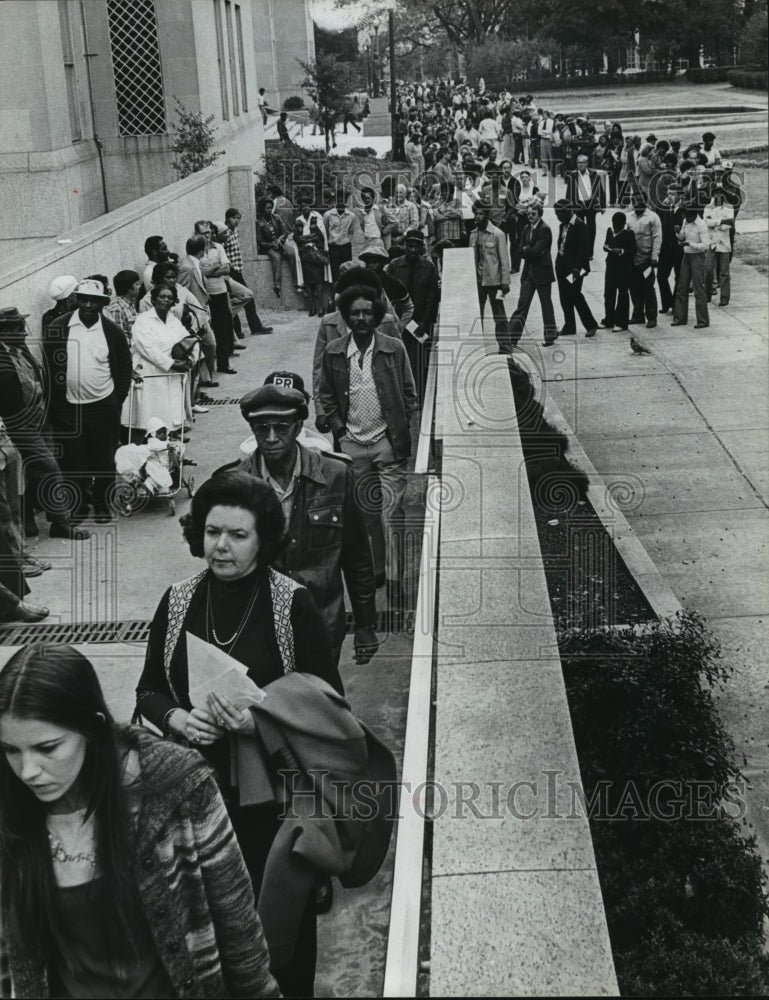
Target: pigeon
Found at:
x=638, y=348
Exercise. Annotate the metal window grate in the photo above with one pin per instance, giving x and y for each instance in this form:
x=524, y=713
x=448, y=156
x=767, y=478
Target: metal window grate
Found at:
x=129, y=631
x=136, y=62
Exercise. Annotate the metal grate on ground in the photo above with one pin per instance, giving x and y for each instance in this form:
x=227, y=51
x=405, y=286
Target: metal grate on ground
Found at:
x=229, y=401
x=127, y=631
x=136, y=63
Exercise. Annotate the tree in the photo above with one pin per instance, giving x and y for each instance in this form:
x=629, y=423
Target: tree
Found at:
x=328, y=82
x=754, y=39
x=193, y=141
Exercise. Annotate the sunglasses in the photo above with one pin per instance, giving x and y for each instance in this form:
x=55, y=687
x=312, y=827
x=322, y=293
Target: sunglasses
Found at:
x=262, y=428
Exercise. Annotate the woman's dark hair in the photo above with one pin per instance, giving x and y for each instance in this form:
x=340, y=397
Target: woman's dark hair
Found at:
x=346, y=298
x=238, y=489
x=163, y=286
x=58, y=685
x=124, y=281
x=262, y=204
x=159, y=271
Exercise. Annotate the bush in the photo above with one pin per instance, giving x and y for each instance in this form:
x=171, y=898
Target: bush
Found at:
x=713, y=74
x=753, y=81
x=365, y=152
x=310, y=171
x=754, y=39
x=193, y=141
x=293, y=103
x=533, y=85
x=684, y=890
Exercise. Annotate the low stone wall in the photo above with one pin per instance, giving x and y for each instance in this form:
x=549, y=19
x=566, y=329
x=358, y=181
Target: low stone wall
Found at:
x=516, y=901
x=115, y=241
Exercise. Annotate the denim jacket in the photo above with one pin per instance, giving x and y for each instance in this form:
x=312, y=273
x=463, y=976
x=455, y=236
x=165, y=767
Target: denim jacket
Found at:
x=394, y=383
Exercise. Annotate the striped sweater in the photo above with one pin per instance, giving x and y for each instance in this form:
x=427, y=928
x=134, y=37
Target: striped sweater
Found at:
x=192, y=882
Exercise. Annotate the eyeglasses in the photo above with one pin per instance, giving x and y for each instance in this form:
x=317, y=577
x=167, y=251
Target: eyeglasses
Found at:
x=263, y=427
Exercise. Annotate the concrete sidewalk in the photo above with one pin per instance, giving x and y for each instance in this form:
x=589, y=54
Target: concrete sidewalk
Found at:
x=687, y=427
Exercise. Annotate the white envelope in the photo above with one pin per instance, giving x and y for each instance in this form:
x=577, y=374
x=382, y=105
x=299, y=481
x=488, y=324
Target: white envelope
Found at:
x=211, y=669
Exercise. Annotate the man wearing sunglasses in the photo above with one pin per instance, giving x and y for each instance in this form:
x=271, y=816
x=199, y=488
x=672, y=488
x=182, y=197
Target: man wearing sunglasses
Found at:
x=327, y=538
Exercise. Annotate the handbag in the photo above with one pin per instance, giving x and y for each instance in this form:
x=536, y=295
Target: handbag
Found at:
x=310, y=254
x=182, y=349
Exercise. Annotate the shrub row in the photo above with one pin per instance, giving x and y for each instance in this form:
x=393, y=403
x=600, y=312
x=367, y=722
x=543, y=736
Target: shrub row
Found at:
x=752, y=80
x=714, y=74
x=532, y=86
x=683, y=887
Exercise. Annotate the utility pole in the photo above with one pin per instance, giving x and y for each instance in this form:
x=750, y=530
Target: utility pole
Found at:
x=393, y=96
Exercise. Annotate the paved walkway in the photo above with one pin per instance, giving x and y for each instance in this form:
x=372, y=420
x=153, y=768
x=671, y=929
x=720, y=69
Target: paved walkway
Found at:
x=687, y=427
x=120, y=575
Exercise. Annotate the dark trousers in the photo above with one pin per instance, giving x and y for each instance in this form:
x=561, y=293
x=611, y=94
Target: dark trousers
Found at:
x=338, y=255
x=221, y=321
x=525, y=298
x=518, y=147
x=616, y=298
x=498, y=311
x=89, y=434
x=42, y=476
x=572, y=299
x=252, y=317
x=13, y=587
x=643, y=294
x=589, y=215
x=255, y=828
x=670, y=261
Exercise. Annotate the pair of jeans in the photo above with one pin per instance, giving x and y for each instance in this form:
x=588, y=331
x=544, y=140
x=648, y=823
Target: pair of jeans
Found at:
x=241, y=297
x=720, y=271
x=492, y=293
x=380, y=486
x=693, y=271
x=670, y=261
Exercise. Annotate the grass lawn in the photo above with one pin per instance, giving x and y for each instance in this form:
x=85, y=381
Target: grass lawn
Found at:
x=757, y=193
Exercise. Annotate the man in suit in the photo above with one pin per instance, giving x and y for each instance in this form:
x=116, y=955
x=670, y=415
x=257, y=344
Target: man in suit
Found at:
x=190, y=276
x=537, y=275
x=586, y=194
x=89, y=374
x=572, y=263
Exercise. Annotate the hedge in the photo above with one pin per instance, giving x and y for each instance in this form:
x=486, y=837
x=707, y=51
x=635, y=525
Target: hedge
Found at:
x=713, y=74
x=683, y=886
x=753, y=81
x=578, y=82
x=293, y=103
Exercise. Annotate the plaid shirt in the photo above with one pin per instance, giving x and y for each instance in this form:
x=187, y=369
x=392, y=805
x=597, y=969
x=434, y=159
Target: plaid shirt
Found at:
x=447, y=227
x=231, y=246
x=122, y=311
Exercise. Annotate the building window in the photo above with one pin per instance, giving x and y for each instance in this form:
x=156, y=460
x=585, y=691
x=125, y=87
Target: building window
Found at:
x=220, y=59
x=243, y=88
x=232, y=60
x=70, y=76
x=133, y=33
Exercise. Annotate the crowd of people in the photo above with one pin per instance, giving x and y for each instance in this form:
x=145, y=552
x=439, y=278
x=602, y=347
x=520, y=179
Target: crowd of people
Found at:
x=215, y=901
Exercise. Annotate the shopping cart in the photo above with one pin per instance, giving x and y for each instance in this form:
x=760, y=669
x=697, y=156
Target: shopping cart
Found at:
x=154, y=469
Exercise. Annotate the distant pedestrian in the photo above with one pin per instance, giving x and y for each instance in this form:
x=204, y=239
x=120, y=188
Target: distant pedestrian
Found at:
x=537, y=276
x=572, y=264
x=694, y=237
x=620, y=251
x=647, y=229
x=492, y=271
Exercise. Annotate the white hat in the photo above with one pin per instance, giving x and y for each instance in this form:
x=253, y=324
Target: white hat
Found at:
x=154, y=424
x=92, y=288
x=62, y=287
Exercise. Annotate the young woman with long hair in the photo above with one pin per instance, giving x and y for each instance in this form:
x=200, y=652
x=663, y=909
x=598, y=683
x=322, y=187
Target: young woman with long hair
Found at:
x=120, y=872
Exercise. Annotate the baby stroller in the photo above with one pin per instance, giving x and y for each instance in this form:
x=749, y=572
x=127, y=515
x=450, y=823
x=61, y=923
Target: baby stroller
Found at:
x=154, y=468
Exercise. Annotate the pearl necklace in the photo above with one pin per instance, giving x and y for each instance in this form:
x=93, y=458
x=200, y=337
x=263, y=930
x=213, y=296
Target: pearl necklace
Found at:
x=227, y=644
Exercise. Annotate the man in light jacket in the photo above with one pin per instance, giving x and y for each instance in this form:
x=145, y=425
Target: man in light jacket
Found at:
x=492, y=270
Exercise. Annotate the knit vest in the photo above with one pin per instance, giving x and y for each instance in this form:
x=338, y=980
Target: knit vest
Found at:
x=282, y=590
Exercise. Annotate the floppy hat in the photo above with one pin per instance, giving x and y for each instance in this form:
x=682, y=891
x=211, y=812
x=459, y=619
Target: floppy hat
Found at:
x=62, y=287
x=93, y=289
